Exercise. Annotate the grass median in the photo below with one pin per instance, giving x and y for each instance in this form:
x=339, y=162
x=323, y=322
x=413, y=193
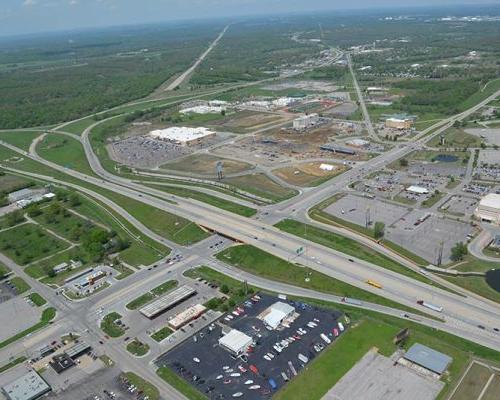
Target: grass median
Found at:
x=259, y=263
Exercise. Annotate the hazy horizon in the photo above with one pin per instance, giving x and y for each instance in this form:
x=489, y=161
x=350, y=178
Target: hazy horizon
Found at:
x=20, y=17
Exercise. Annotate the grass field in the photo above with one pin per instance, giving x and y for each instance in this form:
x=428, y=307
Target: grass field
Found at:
x=123, y=272
x=110, y=327
x=347, y=246
x=65, y=223
x=162, y=334
x=262, y=186
x=151, y=295
x=47, y=315
x=28, y=242
x=78, y=127
x=10, y=183
x=21, y=139
x=37, y=299
x=475, y=284
x=205, y=164
x=260, y=263
x=142, y=385
x=456, y=137
x=137, y=348
x=473, y=383
x=209, y=199
x=65, y=151
x=20, y=284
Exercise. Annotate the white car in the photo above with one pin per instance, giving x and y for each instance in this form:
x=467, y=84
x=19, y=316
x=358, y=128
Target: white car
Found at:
x=266, y=357
x=196, y=359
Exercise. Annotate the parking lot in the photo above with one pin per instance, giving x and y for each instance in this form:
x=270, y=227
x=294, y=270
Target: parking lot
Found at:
x=217, y=373
x=7, y=291
x=102, y=385
x=460, y=205
x=419, y=231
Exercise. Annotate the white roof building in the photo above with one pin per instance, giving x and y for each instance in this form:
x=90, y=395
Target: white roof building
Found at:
x=417, y=189
x=327, y=167
x=277, y=313
x=235, y=341
x=489, y=208
x=182, y=135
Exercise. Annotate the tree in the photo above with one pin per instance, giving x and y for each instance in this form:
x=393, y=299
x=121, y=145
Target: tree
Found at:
x=34, y=210
x=15, y=218
x=74, y=200
x=403, y=162
x=224, y=289
x=379, y=230
x=458, y=251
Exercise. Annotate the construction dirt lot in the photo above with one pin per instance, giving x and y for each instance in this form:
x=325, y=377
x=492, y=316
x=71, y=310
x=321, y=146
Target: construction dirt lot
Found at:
x=280, y=146
x=308, y=174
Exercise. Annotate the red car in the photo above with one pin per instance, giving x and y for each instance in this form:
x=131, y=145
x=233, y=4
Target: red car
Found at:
x=335, y=332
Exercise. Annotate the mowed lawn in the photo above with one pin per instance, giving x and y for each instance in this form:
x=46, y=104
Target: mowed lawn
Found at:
x=28, y=242
x=65, y=151
x=258, y=262
x=20, y=139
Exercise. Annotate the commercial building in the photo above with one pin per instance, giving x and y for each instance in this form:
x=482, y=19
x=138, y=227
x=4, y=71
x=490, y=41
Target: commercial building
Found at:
x=276, y=314
x=61, y=363
x=417, y=190
x=305, y=121
x=428, y=358
x=235, y=342
x=399, y=123
x=488, y=209
x=186, y=316
x=183, y=136
x=30, y=386
x=167, y=301
x=338, y=149
x=25, y=194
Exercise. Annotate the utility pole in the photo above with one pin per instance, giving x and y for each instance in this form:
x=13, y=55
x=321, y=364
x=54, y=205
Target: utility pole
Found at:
x=367, y=217
x=440, y=254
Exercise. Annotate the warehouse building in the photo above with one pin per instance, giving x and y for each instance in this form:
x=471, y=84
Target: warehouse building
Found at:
x=305, y=121
x=235, y=342
x=276, y=314
x=167, y=301
x=488, y=209
x=183, y=136
x=428, y=358
x=30, y=386
x=186, y=316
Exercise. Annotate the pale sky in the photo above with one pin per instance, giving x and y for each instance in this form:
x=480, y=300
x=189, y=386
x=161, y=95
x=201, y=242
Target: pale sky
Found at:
x=30, y=16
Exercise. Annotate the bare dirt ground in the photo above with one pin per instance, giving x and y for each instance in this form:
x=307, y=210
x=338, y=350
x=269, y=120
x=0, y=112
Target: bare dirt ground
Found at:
x=308, y=174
